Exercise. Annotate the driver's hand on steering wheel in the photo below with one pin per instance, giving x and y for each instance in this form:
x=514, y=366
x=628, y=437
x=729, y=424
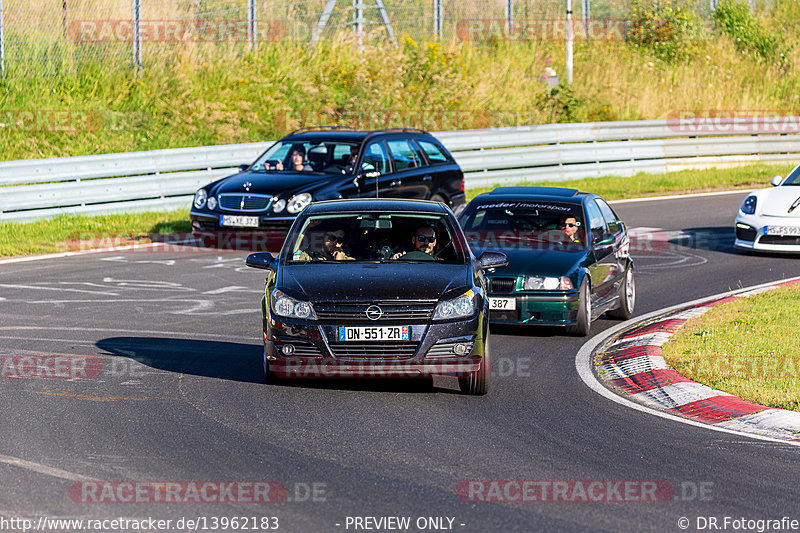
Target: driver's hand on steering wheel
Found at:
x=398, y=255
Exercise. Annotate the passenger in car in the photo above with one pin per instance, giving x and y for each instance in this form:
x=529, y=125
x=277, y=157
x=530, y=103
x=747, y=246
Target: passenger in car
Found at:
x=570, y=227
x=332, y=249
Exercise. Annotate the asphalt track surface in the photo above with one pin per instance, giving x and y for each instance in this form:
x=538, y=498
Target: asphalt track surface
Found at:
x=179, y=399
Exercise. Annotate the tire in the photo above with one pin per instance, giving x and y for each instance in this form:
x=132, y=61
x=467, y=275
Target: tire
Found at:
x=583, y=324
x=627, y=297
x=477, y=383
x=268, y=376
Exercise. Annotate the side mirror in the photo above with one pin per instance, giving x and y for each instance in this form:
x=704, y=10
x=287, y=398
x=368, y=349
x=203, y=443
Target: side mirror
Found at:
x=776, y=181
x=262, y=260
x=491, y=260
x=603, y=240
x=242, y=168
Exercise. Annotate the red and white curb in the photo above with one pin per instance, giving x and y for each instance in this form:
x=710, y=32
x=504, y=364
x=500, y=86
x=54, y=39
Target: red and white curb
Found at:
x=625, y=364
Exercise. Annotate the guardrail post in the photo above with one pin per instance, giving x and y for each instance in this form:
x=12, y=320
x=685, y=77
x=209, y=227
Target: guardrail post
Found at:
x=358, y=21
x=137, y=33
x=586, y=14
x=2, y=42
x=437, y=19
x=251, y=24
x=569, y=42
x=509, y=9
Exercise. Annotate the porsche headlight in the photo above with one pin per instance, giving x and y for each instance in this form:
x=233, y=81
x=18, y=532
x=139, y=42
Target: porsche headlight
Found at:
x=200, y=198
x=749, y=205
x=463, y=306
x=298, y=202
x=278, y=205
x=212, y=203
x=288, y=307
x=537, y=283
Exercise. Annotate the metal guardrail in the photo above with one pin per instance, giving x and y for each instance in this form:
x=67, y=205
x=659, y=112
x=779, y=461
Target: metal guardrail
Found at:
x=167, y=179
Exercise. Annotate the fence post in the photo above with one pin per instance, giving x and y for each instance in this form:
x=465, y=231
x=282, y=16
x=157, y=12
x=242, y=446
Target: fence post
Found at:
x=437, y=19
x=251, y=24
x=569, y=42
x=2, y=42
x=586, y=14
x=509, y=15
x=137, y=33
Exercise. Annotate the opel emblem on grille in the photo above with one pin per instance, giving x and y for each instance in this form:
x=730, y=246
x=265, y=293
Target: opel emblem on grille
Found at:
x=374, y=312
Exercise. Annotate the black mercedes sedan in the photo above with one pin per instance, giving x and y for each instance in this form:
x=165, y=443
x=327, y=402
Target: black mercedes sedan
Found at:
x=377, y=288
x=314, y=164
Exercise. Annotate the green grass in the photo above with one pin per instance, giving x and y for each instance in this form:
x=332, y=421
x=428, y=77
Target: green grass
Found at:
x=66, y=233
x=749, y=348
x=681, y=182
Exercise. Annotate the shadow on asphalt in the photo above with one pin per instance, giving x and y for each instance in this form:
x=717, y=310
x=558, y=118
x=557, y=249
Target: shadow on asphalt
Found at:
x=242, y=363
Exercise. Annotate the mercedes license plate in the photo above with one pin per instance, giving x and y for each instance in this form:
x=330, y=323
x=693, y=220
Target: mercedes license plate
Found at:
x=782, y=230
x=238, y=221
x=373, y=333
x=502, y=304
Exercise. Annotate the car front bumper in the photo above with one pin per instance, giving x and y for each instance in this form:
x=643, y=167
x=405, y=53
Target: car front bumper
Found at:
x=539, y=309
x=317, y=352
x=751, y=234
x=206, y=221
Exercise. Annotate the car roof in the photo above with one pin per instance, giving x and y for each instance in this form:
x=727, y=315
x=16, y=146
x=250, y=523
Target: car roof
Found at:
x=512, y=194
x=330, y=134
x=375, y=205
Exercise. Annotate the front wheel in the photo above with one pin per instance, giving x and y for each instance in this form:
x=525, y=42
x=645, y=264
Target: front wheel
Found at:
x=583, y=322
x=627, y=297
x=477, y=383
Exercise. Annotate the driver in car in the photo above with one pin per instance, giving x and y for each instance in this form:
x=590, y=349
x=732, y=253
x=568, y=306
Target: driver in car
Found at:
x=424, y=240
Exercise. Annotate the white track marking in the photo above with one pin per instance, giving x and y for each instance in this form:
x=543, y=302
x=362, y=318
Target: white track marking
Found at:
x=43, y=469
x=678, y=196
x=233, y=288
x=583, y=364
x=61, y=289
x=115, y=330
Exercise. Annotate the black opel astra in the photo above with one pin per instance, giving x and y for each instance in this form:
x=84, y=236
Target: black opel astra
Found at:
x=377, y=288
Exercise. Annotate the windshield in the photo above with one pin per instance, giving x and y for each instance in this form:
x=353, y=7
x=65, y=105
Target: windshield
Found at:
x=376, y=237
x=525, y=225
x=793, y=178
x=329, y=157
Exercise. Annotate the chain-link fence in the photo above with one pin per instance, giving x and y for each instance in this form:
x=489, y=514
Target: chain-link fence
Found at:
x=50, y=36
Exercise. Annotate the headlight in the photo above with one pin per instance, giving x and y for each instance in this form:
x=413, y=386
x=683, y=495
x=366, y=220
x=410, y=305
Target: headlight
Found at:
x=749, y=205
x=278, y=205
x=200, y=198
x=535, y=283
x=212, y=203
x=288, y=307
x=462, y=306
x=298, y=202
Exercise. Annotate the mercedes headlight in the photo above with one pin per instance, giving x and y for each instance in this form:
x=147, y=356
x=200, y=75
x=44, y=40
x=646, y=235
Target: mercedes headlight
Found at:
x=298, y=202
x=537, y=283
x=749, y=205
x=463, y=306
x=278, y=205
x=212, y=203
x=200, y=198
x=288, y=307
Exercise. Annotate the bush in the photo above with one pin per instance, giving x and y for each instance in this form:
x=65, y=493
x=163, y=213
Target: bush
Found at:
x=733, y=18
x=668, y=29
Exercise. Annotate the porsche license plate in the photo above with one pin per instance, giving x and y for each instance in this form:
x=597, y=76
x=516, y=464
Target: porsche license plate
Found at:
x=502, y=304
x=782, y=230
x=238, y=221
x=374, y=333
